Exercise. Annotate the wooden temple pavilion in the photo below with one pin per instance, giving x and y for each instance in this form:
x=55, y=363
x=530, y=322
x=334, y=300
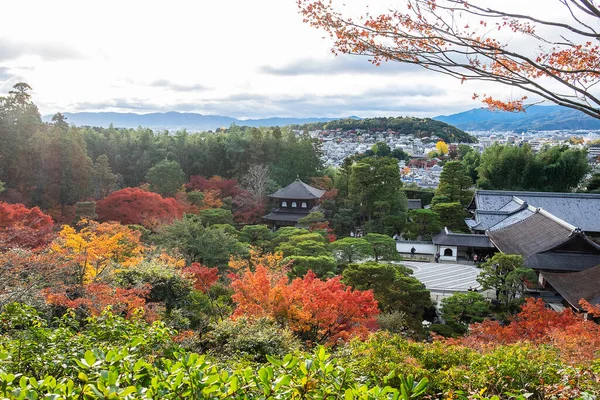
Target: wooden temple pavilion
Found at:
x=294, y=202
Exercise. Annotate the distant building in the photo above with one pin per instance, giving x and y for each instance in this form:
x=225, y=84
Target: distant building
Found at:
x=294, y=202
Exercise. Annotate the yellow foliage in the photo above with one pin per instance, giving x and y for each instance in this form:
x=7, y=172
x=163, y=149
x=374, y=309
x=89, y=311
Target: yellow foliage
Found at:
x=441, y=147
x=95, y=246
x=272, y=262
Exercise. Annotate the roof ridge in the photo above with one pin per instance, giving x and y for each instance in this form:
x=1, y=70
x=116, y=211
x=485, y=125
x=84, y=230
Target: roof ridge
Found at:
x=515, y=193
x=556, y=219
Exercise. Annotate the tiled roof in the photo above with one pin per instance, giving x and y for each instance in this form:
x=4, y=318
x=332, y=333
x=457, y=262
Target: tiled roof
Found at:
x=448, y=238
x=578, y=209
x=538, y=232
x=298, y=190
x=577, y=285
x=557, y=261
x=280, y=216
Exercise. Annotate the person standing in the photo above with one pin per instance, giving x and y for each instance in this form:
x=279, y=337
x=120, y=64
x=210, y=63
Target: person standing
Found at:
x=412, y=252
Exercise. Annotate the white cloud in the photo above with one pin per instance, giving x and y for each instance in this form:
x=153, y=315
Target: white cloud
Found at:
x=229, y=57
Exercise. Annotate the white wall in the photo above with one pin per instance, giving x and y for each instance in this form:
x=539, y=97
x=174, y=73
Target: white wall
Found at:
x=422, y=248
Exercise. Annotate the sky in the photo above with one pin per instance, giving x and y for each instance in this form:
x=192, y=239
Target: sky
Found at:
x=239, y=58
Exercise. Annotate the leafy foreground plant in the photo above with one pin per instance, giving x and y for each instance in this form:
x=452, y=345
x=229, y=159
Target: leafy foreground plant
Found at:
x=113, y=358
x=116, y=374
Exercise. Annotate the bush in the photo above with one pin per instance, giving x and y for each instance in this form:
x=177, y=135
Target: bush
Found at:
x=442, y=329
x=250, y=340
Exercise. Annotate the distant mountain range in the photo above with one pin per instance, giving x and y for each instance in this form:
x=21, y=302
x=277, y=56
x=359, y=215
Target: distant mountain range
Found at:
x=541, y=118
x=536, y=118
x=175, y=120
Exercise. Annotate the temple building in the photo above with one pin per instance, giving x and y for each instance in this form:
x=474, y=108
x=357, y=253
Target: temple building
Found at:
x=294, y=202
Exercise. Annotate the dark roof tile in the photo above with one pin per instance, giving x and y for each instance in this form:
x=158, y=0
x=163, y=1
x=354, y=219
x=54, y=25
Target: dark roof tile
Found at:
x=298, y=190
x=577, y=285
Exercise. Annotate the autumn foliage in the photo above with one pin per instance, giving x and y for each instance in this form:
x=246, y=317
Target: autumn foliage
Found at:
x=24, y=227
x=91, y=250
x=204, y=277
x=554, y=57
x=317, y=311
x=224, y=187
x=96, y=297
x=139, y=207
x=576, y=338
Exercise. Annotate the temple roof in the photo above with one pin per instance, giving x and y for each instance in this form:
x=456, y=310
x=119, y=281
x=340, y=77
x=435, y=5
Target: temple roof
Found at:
x=492, y=206
x=577, y=285
x=298, y=190
x=547, y=243
x=283, y=216
x=536, y=233
x=448, y=238
x=557, y=261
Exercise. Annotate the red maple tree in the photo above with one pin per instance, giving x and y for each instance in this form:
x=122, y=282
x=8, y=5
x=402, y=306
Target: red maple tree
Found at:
x=317, y=311
x=225, y=187
x=24, y=227
x=139, y=207
x=204, y=277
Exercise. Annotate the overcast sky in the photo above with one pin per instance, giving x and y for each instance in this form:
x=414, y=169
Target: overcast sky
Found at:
x=246, y=59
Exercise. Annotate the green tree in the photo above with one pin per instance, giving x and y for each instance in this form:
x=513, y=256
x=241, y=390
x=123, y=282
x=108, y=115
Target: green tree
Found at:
x=215, y=216
x=103, y=178
x=313, y=217
x=257, y=235
x=422, y=223
x=455, y=184
x=452, y=216
x=308, y=244
x=507, y=276
x=376, y=180
x=462, y=309
x=344, y=221
x=324, y=266
x=393, y=287
x=593, y=184
x=563, y=168
x=167, y=286
x=166, y=178
x=381, y=149
x=508, y=168
x=383, y=246
x=554, y=168
x=209, y=247
x=19, y=122
x=342, y=179
x=348, y=250
x=470, y=160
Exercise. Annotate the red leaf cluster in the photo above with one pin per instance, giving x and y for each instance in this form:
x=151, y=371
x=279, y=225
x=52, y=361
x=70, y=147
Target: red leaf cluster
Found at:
x=95, y=297
x=139, y=207
x=577, y=339
x=225, y=187
x=318, y=311
x=24, y=227
x=204, y=277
